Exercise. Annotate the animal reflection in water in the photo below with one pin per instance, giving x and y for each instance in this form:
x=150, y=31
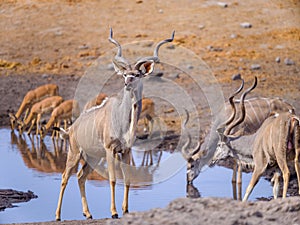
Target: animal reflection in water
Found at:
x=36, y=155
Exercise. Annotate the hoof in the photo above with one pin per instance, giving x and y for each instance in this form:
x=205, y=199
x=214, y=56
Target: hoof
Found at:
x=89, y=217
x=115, y=216
x=57, y=219
x=126, y=212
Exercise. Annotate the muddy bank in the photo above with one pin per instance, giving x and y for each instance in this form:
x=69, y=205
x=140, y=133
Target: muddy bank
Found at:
x=8, y=197
x=209, y=211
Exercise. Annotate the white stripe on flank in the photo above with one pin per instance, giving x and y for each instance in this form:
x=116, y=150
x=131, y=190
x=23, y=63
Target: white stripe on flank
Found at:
x=97, y=106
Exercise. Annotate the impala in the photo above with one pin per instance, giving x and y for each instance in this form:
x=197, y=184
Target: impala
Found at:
x=37, y=110
x=109, y=128
x=64, y=112
x=30, y=98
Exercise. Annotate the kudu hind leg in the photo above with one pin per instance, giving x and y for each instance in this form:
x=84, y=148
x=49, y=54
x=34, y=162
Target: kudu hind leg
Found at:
x=258, y=171
x=297, y=152
x=72, y=162
x=285, y=174
x=82, y=176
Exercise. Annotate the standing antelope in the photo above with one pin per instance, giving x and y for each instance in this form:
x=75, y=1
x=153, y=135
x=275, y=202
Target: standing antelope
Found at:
x=30, y=98
x=147, y=111
x=111, y=126
x=65, y=111
x=276, y=142
x=239, y=146
x=37, y=110
x=257, y=110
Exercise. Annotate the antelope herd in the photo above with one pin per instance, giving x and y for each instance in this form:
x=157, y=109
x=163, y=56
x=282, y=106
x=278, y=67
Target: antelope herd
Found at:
x=260, y=133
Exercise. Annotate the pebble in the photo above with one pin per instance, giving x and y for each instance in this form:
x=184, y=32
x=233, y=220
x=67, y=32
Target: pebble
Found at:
x=246, y=25
x=45, y=76
x=222, y=4
x=175, y=76
x=233, y=36
x=277, y=59
x=161, y=11
x=236, y=76
x=83, y=47
x=170, y=46
x=288, y=62
x=201, y=26
x=255, y=67
x=190, y=67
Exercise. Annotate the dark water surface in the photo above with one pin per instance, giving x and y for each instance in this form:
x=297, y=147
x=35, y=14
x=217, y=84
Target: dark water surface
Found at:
x=24, y=169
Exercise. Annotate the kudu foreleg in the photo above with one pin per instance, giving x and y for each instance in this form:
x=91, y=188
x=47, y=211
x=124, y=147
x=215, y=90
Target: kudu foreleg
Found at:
x=126, y=168
x=112, y=182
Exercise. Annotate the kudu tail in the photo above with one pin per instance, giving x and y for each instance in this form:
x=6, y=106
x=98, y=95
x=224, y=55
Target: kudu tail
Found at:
x=62, y=132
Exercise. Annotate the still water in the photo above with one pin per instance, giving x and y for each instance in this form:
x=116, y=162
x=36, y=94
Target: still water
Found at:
x=22, y=169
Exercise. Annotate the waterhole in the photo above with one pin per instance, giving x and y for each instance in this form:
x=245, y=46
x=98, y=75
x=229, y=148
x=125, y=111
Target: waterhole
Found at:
x=23, y=168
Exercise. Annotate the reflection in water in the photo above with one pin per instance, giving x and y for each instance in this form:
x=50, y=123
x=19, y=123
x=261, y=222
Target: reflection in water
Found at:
x=37, y=156
x=192, y=191
x=211, y=182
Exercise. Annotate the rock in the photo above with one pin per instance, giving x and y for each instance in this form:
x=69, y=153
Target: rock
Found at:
x=277, y=59
x=236, y=76
x=246, y=25
x=83, y=47
x=175, y=75
x=190, y=67
x=222, y=4
x=9, y=196
x=255, y=67
x=45, y=76
x=170, y=46
x=213, y=49
x=201, y=26
x=288, y=62
x=233, y=36
x=161, y=11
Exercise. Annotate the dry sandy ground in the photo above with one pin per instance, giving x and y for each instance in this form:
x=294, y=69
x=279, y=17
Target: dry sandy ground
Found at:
x=56, y=41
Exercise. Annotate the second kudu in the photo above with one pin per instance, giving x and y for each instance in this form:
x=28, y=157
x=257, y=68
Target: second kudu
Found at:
x=109, y=129
x=257, y=111
x=274, y=143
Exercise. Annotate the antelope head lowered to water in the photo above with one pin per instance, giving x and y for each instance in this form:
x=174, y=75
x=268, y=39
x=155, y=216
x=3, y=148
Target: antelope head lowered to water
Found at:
x=109, y=129
x=257, y=110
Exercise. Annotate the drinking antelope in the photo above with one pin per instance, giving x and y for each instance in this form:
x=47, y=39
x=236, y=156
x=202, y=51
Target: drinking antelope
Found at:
x=239, y=146
x=257, y=110
x=37, y=110
x=30, y=98
x=64, y=112
x=111, y=126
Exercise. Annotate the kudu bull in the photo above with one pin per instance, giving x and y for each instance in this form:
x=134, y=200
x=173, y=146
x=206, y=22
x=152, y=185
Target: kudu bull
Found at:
x=257, y=110
x=111, y=126
x=275, y=142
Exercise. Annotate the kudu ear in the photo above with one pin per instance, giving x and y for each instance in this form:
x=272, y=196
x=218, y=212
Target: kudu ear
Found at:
x=120, y=68
x=145, y=67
